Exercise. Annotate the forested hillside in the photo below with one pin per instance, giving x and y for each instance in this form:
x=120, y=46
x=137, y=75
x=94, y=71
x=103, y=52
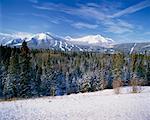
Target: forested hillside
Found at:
x=28, y=73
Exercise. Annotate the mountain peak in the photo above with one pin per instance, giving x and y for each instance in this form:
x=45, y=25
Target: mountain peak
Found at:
x=41, y=36
x=98, y=40
x=50, y=41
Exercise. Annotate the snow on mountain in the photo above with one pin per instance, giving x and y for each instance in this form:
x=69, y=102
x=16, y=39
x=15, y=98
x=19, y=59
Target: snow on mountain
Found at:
x=101, y=105
x=14, y=41
x=132, y=48
x=4, y=38
x=95, y=40
x=14, y=38
x=60, y=46
x=55, y=43
x=42, y=36
x=48, y=41
x=95, y=43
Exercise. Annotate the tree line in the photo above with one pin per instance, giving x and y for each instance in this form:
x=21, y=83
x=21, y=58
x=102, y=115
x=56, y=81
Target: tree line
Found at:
x=26, y=73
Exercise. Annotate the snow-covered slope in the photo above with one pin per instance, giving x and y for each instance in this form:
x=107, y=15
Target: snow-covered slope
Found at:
x=95, y=43
x=13, y=39
x=102, y=105
x=95, y=40
x=48, y=41
x=4, y=38
x=133, y=47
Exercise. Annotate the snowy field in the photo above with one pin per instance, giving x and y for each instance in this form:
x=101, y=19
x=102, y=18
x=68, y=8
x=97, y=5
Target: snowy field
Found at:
x=102, y=105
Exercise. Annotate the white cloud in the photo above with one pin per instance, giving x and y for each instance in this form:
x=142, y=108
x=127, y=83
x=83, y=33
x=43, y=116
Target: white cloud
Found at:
x=91, y=11
x=118, y=26
x=80, y=25
x=55, y=20
x=132, y=9
x=34, y=1
x=17, y=34
x=147, y=33
x=5, y=34
x=46, y=17
x=82, y=10
x=117, y=29
x=51, y=6
x=22, y=35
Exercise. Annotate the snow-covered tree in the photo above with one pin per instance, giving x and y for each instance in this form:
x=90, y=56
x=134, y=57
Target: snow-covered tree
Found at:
x=25, y=75
x=11, y=83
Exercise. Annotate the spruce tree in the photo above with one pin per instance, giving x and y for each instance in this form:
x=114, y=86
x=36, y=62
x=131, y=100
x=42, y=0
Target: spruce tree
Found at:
x=25, y=76
x=12, y=79
x=2, y=76
x=38, y=80
x=118, y=62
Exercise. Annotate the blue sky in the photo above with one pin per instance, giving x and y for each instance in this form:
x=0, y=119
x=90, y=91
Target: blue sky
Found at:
x=121, y=20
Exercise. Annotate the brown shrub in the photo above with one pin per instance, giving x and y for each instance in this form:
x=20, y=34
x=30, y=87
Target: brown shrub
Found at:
x=116, y=86
x=136, y=85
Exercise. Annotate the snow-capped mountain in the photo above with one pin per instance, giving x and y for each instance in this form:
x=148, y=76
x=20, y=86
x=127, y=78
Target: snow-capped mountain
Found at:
x=95, y=43
x=133, y=47
x=94, y=40
x=4, y=38
x=13, y=39
x=49, y=41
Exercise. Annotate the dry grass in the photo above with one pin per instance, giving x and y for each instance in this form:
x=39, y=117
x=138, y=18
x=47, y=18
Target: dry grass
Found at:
x=104, y=84
x=136, y=85
x=116, y=86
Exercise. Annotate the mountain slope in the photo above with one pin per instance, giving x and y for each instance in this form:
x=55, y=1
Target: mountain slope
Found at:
x=93, y=40
x=94, y=43
x=48, y=41
x=133, y=47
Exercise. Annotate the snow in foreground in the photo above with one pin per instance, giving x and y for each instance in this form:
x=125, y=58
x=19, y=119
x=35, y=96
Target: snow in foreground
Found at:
x=102, y=105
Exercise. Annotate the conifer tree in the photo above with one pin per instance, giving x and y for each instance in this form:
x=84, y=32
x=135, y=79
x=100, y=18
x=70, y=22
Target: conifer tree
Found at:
x=2, y=75
x=25, y=76
x=147, y=74
x=118, y=61
x=133, y=65
x=38, y=80
x=12, y=79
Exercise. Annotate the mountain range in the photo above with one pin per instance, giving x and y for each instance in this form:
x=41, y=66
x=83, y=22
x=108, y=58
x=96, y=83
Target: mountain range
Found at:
x=95, y=43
